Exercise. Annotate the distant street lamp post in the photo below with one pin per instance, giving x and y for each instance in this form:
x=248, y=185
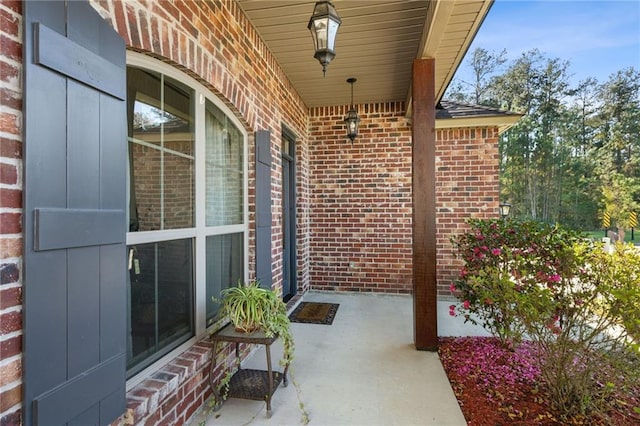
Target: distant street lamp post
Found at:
x=505, y=208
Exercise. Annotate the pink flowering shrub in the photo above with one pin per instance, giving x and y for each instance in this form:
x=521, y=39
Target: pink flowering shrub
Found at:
x=579, y=306
x=504, y=262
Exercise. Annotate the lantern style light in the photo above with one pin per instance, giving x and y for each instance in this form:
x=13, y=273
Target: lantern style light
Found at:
x=352, y=118
x=324, y=24
x=505, y=208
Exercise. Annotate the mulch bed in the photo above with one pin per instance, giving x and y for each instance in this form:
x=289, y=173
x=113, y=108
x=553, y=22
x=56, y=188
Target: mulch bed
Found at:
x=495, y=386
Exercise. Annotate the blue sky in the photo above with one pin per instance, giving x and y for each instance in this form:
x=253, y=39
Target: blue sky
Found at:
x=598, y=38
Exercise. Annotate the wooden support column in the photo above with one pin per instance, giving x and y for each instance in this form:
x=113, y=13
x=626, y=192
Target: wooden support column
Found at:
x=424, y=206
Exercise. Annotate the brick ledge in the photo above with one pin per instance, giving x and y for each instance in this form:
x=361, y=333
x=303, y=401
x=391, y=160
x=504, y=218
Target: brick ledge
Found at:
x=174, y=393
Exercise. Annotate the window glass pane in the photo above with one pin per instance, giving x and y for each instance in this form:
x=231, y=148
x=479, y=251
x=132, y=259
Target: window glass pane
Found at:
x=162, y=290
x=160, y=300
x=225, y=267
x=224, y=169
x=161, y=151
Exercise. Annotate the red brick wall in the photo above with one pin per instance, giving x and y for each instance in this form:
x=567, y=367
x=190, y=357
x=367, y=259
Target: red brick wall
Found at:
x=240, y=70
x=361, y=197
x=10, y=212
x=467, y=186
x=361, y=200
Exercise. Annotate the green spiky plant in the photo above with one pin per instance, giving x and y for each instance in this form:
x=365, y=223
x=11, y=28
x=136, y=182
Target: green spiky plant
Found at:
x=250, y=307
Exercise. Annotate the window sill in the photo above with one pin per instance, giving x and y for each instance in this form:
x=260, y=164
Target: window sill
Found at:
x=174, y=393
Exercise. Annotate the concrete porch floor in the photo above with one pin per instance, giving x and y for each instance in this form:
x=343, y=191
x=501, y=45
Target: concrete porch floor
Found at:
x=361, y=370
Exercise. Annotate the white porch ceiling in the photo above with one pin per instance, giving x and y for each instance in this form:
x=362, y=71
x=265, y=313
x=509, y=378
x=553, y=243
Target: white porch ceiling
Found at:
x=376, y=43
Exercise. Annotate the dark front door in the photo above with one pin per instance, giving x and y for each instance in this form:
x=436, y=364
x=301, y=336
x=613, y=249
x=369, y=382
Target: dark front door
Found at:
x=74, y=216
x=288, y=216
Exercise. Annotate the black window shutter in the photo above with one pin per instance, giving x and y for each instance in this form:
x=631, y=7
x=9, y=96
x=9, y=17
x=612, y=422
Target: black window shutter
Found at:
x=74, y=216
x=263, y=208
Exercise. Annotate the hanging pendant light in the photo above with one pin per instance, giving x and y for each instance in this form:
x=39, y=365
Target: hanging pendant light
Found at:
x=324, y=24
x=352, y=118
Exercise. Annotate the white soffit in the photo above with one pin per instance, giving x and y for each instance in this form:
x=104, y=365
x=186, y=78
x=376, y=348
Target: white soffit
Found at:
x=376, y=43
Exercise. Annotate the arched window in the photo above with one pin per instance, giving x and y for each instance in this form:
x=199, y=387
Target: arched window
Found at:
x=187, y=237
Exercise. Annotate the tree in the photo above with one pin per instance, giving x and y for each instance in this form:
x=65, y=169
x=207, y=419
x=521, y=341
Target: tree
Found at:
x=581, y=187
x=619, y=116
x=484, y=66
x=575, y=153
x=617, y=145
x=536, y=156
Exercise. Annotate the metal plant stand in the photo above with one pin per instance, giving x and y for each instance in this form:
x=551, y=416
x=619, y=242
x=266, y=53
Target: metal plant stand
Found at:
x=258, y=385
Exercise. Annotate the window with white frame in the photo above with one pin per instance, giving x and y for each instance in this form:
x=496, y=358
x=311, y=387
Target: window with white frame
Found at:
x=187, y=238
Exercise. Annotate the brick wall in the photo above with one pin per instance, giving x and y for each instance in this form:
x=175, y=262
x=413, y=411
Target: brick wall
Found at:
x=467, y=186
x=361, y=197
x=10, y=212
x=361, y=200
x=172, y=395
x=241, y=71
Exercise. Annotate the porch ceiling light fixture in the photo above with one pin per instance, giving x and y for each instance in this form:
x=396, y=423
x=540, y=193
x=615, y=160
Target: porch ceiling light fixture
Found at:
x=324, y=24
x=505, y=208
x=352, y=118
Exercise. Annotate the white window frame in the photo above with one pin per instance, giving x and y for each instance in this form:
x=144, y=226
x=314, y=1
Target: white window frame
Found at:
x=200, y=231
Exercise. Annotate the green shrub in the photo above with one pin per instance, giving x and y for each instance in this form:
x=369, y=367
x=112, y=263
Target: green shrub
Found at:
x=583, y=331
x=505, y=260
x=621, y=274
x=578, y=304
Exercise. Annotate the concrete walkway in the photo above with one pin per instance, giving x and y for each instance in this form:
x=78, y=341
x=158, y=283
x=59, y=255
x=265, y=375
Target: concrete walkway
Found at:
x=361, y=370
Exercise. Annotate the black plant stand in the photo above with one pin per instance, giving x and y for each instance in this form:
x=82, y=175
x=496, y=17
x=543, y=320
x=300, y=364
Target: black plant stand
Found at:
x=258, y=385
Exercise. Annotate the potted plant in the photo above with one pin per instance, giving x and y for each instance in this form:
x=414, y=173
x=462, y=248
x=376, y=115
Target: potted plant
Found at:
x=250, y=307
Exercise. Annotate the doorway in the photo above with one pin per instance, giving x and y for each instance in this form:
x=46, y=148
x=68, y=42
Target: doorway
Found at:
x=288, y=152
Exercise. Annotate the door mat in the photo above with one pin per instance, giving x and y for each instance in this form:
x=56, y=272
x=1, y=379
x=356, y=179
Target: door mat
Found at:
x=314, y=313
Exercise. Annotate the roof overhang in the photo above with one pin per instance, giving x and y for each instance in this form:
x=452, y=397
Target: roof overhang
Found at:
x=503, y=123
x=450, y=115
x=376, y=43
